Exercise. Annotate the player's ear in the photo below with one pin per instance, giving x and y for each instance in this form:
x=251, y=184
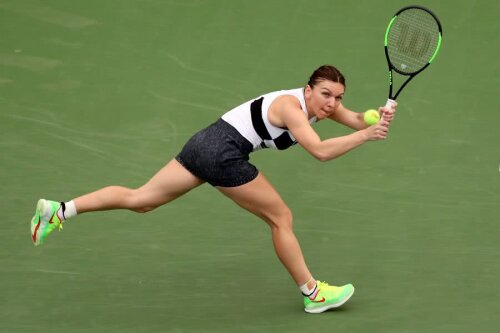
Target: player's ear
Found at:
x=307, y=91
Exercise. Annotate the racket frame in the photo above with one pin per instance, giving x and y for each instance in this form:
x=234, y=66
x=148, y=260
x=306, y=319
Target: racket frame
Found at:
x=391, y=99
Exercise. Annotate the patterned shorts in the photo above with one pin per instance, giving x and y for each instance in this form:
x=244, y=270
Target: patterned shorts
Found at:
x=219, y=155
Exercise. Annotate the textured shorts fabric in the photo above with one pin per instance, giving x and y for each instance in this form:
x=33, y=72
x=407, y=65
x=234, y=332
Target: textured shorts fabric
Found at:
x=219, y=155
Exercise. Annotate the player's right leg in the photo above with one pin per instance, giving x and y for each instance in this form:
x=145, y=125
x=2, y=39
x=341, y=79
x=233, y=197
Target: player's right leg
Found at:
x=169, y=183
x=260, y=198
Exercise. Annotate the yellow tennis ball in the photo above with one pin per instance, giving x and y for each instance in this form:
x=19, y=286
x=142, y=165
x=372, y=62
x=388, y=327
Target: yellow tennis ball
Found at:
x=371, y=117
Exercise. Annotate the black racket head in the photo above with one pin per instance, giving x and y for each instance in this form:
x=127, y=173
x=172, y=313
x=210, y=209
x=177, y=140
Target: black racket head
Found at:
x=412, y=39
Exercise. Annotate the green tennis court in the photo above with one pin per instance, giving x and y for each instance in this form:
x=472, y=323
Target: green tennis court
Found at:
x=94, y=93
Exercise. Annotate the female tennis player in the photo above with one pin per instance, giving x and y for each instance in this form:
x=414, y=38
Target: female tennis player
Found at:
x=219, y=155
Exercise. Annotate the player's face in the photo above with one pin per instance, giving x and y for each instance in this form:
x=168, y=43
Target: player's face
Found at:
x=324, y=98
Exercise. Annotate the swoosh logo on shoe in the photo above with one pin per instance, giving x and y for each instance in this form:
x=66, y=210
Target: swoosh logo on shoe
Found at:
x=320, y=301
x=52, y=218
x=36, y=230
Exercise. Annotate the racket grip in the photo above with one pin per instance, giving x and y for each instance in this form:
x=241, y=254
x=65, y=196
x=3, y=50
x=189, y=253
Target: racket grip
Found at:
x=389, y=103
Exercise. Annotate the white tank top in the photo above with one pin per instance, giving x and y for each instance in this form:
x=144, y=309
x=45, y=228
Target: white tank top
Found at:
x=251, y=120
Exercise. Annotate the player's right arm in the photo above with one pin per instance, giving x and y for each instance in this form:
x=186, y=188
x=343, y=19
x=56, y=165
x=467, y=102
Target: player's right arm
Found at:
x=324, y=150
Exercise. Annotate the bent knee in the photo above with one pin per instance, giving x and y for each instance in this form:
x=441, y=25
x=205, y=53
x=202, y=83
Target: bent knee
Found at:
x=283, y=219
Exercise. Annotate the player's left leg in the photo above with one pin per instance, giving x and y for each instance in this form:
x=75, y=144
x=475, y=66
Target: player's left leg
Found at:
x=169, y=183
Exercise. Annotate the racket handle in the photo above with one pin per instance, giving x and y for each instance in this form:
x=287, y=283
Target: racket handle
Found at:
x=389, y=103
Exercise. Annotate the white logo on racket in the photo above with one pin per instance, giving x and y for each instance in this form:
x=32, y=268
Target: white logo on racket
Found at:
x=403, y=66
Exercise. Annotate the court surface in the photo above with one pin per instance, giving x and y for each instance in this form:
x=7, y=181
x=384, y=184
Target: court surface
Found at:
x=94, y=93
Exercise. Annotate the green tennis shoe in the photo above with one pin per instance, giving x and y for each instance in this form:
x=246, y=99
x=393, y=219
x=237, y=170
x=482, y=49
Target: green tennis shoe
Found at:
x=328, y=297
x=45, y=220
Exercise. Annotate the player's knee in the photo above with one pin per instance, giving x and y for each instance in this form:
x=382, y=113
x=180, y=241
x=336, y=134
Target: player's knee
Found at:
x=142, y=209
x=283, y=219
x=138, y=202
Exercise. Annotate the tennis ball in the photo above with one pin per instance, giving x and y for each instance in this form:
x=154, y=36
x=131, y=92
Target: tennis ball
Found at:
x=371, y=117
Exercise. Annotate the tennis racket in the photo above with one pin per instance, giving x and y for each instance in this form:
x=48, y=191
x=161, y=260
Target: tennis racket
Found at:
x=412, y=41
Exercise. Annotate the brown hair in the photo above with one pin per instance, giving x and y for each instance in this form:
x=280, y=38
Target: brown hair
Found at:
x=326, y=72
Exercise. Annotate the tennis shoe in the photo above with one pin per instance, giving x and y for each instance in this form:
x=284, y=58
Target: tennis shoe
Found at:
x=328, y=297
x=45, y=220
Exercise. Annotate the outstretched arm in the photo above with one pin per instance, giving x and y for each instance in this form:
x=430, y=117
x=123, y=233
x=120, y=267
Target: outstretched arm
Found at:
x=324, y=150
x=355, y=120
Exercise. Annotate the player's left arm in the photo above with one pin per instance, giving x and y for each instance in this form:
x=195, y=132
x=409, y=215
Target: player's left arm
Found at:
x=355, y=120
x=348, y=118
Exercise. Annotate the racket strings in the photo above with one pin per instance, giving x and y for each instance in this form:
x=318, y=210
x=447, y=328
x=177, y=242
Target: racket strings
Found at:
x=413, y=38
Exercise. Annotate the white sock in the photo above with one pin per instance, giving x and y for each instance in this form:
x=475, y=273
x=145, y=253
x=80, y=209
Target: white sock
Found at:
x=311, y=293
x=67, y=210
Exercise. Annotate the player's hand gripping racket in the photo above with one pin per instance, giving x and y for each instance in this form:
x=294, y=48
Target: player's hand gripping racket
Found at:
x=412, y=41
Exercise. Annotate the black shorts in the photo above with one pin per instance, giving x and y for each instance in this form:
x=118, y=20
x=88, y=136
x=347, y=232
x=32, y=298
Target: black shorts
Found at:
x=218, y=154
